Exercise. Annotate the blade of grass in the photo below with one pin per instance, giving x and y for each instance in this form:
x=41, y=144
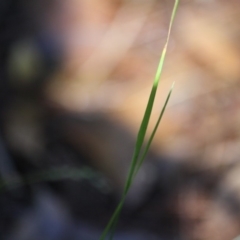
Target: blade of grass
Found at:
x=148, y=111
x=115, y=216
x=154, y=131
x=54, y=174
x=141, y=133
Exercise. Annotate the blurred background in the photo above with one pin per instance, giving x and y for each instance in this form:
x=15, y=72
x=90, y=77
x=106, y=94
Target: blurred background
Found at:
x=75, y=79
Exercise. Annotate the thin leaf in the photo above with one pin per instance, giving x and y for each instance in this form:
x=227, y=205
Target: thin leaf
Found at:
x=136, y=163
x=154, y=131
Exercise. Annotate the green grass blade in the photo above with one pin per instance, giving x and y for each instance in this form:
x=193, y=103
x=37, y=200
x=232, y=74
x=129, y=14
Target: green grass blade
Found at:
x=136, y=163
x=116, y=216
x=112, y=220
x=148, y=111
x=56, y=174
x=154, y=131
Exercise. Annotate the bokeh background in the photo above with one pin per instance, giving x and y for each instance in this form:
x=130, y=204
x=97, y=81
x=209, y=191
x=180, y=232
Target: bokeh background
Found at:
x=75, y=79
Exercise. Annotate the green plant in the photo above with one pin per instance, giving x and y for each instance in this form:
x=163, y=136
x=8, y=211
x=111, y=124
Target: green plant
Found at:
x=56, y=174
x=140, y=153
